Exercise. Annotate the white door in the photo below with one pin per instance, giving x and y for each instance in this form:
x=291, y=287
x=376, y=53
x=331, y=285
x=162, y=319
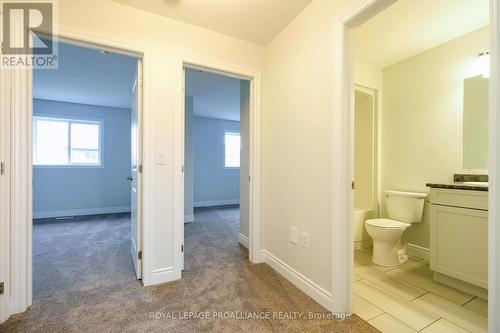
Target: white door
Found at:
x=135, y=176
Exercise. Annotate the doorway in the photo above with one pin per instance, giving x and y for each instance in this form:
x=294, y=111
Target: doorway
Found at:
x=413, y=279
x=216, y=165
x=86, y=171
x=249, y=172
x=365, y=162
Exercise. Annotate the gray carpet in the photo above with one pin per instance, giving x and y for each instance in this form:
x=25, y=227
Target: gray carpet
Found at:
x=84, y=282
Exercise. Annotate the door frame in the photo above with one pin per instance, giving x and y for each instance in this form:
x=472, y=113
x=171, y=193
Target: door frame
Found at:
x=254, y=77
x=342, y=219
x=19, y=287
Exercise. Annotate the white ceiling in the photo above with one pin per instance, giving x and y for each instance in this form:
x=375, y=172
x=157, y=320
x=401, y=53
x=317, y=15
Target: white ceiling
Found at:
x=214, y=96
x=410, y=27
x=257, y=21
x=87, y=76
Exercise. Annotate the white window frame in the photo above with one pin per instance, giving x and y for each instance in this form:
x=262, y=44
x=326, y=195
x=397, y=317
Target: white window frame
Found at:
x=224, y=161
x=71, y=121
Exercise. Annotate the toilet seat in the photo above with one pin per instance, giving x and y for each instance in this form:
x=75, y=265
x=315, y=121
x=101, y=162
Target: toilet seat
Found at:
x=387, y=224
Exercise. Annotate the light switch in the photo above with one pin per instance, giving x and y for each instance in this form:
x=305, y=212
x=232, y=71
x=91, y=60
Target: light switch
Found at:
x=160, y=157
x=294, y=235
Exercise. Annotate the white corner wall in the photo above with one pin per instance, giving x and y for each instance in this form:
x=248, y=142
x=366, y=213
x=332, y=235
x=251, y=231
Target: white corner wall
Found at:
x=297, y=147
x=165, y=41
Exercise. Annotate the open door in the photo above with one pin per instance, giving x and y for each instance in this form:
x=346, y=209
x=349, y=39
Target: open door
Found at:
x=135, y=175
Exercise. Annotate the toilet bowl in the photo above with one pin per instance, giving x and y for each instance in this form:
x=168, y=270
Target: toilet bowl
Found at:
x=387, y=248
x=404, y=209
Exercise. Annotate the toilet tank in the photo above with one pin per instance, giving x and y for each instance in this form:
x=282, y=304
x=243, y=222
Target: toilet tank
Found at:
x=405, y=206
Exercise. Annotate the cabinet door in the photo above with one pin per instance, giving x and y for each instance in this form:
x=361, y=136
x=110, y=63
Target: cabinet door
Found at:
x=459, y=243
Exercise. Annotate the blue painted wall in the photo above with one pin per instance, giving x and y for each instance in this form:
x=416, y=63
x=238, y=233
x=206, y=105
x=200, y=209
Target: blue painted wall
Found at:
x=213, y=182
x=84, y=188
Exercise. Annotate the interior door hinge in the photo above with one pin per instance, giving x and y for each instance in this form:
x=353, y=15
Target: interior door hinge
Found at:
x=2, y=168
x=139, y=168
x=353, y=185
x=182, y=248
x=182, y=168
x=1, y=288
x=139, y=255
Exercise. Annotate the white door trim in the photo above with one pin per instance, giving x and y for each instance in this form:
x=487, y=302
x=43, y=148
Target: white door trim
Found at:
x=254, y=77
x=20, y=237
x=342, y=244
x=494, y=173
x=5, y=192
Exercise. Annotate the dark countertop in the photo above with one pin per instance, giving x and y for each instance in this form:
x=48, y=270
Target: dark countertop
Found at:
x=459, y=186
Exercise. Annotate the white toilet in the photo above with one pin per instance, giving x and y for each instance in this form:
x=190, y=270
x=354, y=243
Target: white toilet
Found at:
x=403, y=208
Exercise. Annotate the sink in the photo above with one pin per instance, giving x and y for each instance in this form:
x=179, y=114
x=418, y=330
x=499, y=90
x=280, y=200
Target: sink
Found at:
x=477, y=183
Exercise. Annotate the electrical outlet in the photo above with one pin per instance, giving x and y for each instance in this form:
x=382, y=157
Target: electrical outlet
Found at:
x=294, y=235
x=304, y=240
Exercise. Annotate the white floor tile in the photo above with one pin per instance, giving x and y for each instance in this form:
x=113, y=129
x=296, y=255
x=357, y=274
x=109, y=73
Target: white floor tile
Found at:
x=364, y=258
x=420, y=275
x=389, y=282
x=444, y=326
x=454, y=313
x=357, y=277
x=412, y=314
x=388, y=324
x=364, y=309
x=479, y=306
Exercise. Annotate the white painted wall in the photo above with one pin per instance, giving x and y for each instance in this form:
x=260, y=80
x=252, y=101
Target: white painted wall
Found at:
x=297, y=142
x=164, y=41
x=188, y=160
x=368, y=75
x=423, y=119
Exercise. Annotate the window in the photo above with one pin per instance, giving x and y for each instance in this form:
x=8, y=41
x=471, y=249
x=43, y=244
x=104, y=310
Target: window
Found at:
x=231, y=150
x=66, y=142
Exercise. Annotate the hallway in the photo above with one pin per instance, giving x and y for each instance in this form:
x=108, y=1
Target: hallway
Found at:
x=99, y=292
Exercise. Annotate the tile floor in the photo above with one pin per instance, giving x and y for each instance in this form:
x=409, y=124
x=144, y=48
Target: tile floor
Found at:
x=407, y=299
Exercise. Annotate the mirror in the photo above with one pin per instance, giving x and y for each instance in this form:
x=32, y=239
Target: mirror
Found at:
x=475, y=135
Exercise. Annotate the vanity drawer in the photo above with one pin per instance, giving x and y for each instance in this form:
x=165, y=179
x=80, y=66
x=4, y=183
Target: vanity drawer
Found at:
x=460, y=198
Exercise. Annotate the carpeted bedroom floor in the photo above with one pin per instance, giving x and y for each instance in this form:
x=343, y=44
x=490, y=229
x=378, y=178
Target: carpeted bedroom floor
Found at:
x=83, y=281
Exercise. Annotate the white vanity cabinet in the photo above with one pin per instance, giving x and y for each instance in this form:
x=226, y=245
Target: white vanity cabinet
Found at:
x=459, y=235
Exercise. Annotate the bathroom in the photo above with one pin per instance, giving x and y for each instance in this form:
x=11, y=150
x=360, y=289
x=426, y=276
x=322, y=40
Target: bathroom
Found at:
x=421, y=166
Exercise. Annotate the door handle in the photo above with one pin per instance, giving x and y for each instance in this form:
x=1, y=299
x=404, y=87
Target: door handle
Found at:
x=130, y=178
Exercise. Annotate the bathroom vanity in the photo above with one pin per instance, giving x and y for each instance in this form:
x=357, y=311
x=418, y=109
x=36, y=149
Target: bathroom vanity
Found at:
x=459, y=235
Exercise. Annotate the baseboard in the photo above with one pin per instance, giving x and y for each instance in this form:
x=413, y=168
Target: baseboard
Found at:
x=80, y=212
x=418, y=251
x=211, y=203
x=243, y=240
x=320, y=295
x=189, y=218
x=358, y=245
